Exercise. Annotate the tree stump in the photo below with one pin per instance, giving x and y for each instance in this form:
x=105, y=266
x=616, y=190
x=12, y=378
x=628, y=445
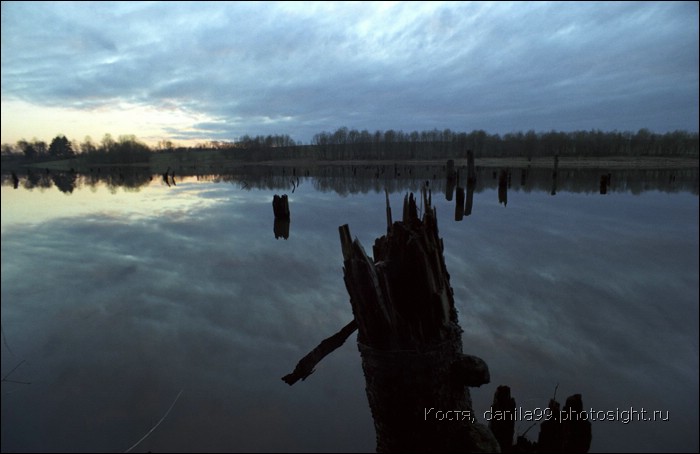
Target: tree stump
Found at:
x=503, y=428
x=280, y=206
x=410, y=343
x=410, y=340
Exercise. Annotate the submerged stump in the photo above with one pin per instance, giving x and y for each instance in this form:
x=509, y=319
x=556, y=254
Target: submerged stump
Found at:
x=280, y=206
x=410, y=343
x=410, y=340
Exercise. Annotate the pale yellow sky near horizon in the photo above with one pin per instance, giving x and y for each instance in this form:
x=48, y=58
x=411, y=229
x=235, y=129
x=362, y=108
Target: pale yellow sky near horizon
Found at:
x=22, y=120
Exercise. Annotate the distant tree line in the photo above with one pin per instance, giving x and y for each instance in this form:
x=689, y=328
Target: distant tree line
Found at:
x=270, y=141
x=350, y=144
x=60, y=148
x=353, y=144
x=126, y=149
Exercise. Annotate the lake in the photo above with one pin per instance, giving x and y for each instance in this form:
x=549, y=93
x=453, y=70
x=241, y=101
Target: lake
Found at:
x=132, y=302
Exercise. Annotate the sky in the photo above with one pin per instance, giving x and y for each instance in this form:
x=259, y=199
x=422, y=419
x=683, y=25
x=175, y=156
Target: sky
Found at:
x=193, y=72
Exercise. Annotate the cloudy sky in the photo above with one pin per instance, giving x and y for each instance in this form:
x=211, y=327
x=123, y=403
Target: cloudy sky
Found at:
x=215, y=71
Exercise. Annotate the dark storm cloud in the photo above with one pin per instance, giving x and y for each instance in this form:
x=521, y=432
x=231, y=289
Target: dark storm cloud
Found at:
x=283, y=68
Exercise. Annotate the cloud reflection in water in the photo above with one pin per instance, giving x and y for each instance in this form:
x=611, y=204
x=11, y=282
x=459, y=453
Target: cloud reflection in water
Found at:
x=116, y=314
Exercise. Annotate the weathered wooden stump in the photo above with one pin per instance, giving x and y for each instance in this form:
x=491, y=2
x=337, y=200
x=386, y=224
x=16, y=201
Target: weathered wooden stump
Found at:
x=410, y=340
x=560, y=431
x=568, y=430
x=503, y=428
x=280, y=206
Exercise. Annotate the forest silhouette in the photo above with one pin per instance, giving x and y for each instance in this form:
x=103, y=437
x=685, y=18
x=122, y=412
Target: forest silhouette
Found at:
x=351, y=144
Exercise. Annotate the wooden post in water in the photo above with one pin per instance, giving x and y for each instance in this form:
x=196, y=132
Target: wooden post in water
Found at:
x=554, y=175
x=470, y=200
x=410, y=340
x=471, y=172
x=459, y=204
x=560, y=431
x=280, y=208
x=502, y=423
x=450, y=179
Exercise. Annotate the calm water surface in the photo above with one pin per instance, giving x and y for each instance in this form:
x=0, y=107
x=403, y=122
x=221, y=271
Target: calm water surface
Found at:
x=115, y=300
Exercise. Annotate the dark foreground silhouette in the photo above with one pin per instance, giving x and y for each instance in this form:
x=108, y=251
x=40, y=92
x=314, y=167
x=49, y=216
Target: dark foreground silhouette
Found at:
x=410, y=342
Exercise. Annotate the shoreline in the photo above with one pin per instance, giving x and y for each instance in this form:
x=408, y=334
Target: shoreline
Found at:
x=161, y=163
x=607, y=162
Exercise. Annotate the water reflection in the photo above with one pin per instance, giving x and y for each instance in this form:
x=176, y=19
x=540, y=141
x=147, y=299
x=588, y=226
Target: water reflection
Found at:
x=555, y=173
x=605, y=182
x=64, y=181
x=365, y=178
x=451, y=177
x=503, y=185
x=459, y=205
x=470, y=199
x=169, y=177
x=154, y=288
x=115, y=177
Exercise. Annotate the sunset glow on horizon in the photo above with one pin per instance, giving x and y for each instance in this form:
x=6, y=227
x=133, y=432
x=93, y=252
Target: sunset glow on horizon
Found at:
x=151, y=124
